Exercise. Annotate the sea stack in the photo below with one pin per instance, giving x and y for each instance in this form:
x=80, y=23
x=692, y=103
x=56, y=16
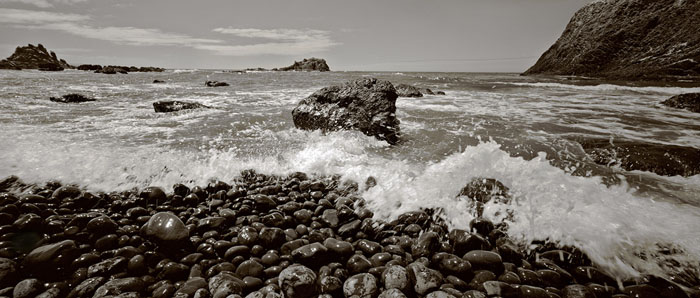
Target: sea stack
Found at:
x=629, y=40
x=34, y=57
x=311, y=64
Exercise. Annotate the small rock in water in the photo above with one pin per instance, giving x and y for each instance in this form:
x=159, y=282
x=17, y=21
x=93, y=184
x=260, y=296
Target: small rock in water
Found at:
x=216, y=84
x=174, y=106
x=71, y=98
x=405, y=90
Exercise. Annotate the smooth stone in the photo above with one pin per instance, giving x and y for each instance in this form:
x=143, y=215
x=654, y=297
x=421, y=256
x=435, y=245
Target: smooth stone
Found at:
x=310, y=254
x=297, y=281
x=485, y=260
x=119, y=286
x=101, y=225
x=577, y=291
x=50, y=293
x=86, y=288
x=250, y=268
x=440, y=294
x=49, y=256
x=8, y=270
x=424, y=279
x=331, y=285
x=27, y=288
x=191, y=286
x=363, y=285
x=358, y=264
x=392, y=293
x=165, y=226
x=153, y=195
x=396, y=277
x=108, y=267
x=330, y=218
x=425, y=245
x=272, y=238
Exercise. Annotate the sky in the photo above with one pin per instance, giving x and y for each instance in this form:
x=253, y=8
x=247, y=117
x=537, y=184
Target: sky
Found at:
x=358, y=35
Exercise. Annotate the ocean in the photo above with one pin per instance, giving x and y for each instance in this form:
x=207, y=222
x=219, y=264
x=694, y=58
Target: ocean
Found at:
x=522, y=131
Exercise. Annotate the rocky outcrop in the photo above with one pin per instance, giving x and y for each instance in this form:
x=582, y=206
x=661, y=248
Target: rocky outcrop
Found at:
x=367, y=105
x=34, y=57
x=628, y=39
x=174, y=106
x=311, y=64
x=71, y=98
x=667, y=160
x=158, y=81
x=688, y=101
x=405, y=90
x=113, y=69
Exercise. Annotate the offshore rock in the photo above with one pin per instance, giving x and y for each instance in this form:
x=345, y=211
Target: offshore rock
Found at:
x=71, y=98
x=667, y=160
x=311, y=64
x=405, y=90
x=174, y=106
x=34, y=57
x=367, y=105
x=688, y=101
x=628, y=39
x=216, y=84
x=165, y=226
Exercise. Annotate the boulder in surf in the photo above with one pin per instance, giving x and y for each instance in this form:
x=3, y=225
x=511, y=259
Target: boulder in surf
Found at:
x=367, y=105
x=688, y=101
x=175, y=105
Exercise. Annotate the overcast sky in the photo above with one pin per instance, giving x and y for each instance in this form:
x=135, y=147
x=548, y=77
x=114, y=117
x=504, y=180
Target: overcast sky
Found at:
x=391, y=35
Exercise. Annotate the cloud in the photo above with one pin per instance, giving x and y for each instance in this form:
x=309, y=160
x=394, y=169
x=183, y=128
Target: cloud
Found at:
x=289, y=42
x=43, y=3
x=284, y=41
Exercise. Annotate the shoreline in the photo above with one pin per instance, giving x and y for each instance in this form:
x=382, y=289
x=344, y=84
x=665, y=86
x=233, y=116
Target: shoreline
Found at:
x=247, y=233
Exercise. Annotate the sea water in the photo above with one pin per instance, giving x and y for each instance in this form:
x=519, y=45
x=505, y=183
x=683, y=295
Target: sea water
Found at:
x=521, y=131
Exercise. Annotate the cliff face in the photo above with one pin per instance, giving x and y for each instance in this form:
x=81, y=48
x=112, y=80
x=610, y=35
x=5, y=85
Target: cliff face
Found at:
x=310, y=64
x=34, y=57
x=628, y=39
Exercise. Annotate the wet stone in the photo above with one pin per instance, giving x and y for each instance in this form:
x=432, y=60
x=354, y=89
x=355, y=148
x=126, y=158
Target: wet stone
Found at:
x=362, y=285
x=426, y=244
x=191, y=286
x=330, y=218
x=339, y=249
x=271, y=237
x=396, y=277
x=165, y=226
x=485, y=260
x=86, y=288
x=297, y=281
x=119, y=286
x=250, y=268
x=577, y=291
x=108, y=267
x=27, y=288
x=392, y=293
x=424, y=279
x=312, y=254
x=8, y=268
x=358, y=263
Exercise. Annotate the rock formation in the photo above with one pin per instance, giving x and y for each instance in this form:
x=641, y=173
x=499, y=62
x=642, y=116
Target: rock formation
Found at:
x=405, y=90
x=174, y=106
x=667, y=160
x=628, y=39
x=34, y=57
x=113, y=69
x=688, y=101
x=71, y=98
x=311, y=64
x=367, y=105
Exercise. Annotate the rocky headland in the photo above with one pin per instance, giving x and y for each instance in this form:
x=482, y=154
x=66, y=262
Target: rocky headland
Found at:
x=309, y=64
x=34, y=57
x=628, y=40
x=274, y=236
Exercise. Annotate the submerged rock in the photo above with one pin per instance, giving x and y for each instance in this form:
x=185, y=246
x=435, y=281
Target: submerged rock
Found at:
x=628, y=39
x=71, y=98
x=34, y=57
x=405, y=90
x=367, y=105
x=688, y=101
x=216, y=84
x=311, y=64
x=667, y=160
x=175, y=105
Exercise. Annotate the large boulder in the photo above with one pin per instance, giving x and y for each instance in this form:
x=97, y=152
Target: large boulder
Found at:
x=628, y=39
x=367, y=105
x=175, y=105
x=668, y=160
x=34, y=57
x=405, y=90
x=688, y=101
x=311, y=64
x=71, y=98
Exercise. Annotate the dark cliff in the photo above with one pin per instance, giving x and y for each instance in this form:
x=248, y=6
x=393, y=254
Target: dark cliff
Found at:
x=628, y=39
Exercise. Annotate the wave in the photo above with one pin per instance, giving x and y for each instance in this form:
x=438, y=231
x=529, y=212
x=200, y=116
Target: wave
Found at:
x=608, y=87
x=612, y=225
